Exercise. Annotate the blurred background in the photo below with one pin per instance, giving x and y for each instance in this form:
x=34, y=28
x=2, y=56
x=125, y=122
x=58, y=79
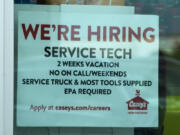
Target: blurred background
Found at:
x=169, y=60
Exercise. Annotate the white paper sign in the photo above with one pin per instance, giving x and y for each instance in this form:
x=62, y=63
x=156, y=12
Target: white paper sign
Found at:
x=87, y=70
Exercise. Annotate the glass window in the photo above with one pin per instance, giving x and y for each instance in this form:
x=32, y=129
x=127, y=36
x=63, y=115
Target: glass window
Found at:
x=168, y=62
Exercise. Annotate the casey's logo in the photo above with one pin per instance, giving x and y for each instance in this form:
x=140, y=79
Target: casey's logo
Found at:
x=137, y=103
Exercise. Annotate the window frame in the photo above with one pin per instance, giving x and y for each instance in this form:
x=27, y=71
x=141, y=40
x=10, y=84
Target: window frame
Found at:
x=7, y=67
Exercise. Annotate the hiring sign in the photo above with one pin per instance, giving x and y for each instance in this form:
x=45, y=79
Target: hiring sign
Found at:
x=87, y=70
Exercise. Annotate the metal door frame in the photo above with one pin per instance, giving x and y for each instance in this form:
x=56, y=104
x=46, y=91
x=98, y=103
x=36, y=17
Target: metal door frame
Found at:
x=7, y=66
